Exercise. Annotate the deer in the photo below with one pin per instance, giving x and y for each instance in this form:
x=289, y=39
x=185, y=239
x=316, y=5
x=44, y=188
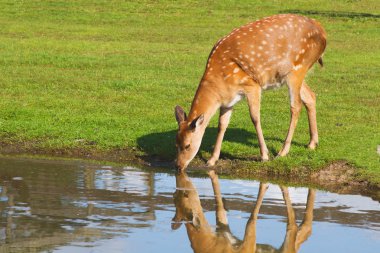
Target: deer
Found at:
x=268, y=53
x=204, y=239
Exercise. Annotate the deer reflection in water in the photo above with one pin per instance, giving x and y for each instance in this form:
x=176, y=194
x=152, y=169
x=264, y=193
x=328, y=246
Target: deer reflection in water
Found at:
x=204, y=239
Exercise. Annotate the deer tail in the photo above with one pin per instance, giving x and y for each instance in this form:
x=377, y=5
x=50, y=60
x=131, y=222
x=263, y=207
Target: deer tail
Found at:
x=320, y=61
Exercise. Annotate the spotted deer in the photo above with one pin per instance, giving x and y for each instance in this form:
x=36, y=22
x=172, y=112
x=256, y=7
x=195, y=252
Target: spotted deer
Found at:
x=261, y=55
x=204, y=239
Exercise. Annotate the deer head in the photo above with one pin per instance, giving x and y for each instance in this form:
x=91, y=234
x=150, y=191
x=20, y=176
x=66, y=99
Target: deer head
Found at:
x=187, y=202
x=189, y=137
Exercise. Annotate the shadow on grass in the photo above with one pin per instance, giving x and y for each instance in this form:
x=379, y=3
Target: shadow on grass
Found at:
x=161, y=146
x=333, y=14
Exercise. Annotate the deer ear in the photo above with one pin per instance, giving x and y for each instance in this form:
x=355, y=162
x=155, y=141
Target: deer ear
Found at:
x=196, y=221
x=176, y=223
x=180, y=114
x=197, y=122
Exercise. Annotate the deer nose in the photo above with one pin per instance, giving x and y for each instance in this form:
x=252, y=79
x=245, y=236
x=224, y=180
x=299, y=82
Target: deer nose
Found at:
x=179, y=166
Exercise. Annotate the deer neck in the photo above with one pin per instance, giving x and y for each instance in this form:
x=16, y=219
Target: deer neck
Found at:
x=205, y=102
x=201, y=238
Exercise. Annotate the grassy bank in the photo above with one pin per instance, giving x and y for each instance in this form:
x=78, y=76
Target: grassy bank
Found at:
x=106, y=76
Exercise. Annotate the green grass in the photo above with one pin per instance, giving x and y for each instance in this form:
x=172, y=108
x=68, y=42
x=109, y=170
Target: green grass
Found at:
x=110, y=73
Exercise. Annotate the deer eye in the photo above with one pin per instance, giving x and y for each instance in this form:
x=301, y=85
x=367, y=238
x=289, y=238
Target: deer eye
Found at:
x=187, y=147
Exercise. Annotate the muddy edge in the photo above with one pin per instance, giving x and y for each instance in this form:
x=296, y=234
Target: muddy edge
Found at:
x=339, y=177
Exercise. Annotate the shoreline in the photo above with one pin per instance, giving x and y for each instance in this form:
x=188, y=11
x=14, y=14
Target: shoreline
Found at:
x=338, y=176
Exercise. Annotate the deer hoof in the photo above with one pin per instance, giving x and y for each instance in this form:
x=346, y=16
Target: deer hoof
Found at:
x=312, y=145
x=282, y=153
x=265, y=158
x=211, y=162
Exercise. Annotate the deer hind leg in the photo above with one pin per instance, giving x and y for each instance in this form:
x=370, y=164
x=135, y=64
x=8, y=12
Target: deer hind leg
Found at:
x=309, y=100
x=254, y=102
x=294, y=84
x=224, y=119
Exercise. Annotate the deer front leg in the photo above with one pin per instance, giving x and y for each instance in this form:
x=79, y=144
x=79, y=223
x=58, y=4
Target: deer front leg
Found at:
x=221, y=213
x=305, y=229
x=254, y=102
x=249, y=241
x=224, y=119
x=295, y=82
x=289, y=242
x=309, y=100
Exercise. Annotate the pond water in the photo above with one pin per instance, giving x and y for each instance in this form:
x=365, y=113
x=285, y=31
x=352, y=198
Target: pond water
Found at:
x=55, y=206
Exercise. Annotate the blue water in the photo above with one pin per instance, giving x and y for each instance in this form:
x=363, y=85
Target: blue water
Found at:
x=54, y=206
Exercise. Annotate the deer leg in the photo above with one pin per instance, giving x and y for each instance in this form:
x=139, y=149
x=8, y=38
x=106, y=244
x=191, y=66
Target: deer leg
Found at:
x=249, y=241
x=289, y=207
x=221, y=214
x=309, y=100
x=224, y=119
x=306, y=226
x=254, y=102
x=288, y=244
x=294, y=85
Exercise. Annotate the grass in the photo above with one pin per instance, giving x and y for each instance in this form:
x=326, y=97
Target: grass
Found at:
x=107, y=75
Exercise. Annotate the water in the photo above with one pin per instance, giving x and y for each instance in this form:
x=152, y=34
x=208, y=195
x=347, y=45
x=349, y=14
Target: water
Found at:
x=52, y=206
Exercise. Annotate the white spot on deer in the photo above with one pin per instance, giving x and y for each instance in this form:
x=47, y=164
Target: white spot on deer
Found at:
x=244, y=79
x=302, y=51
x=260, y=48
x=297, y=57
x=252, y=52
x=297, y=67
x=231, y=63
x=227, y=76
x=238, y=37
x=236, y=70
x=264, y=42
